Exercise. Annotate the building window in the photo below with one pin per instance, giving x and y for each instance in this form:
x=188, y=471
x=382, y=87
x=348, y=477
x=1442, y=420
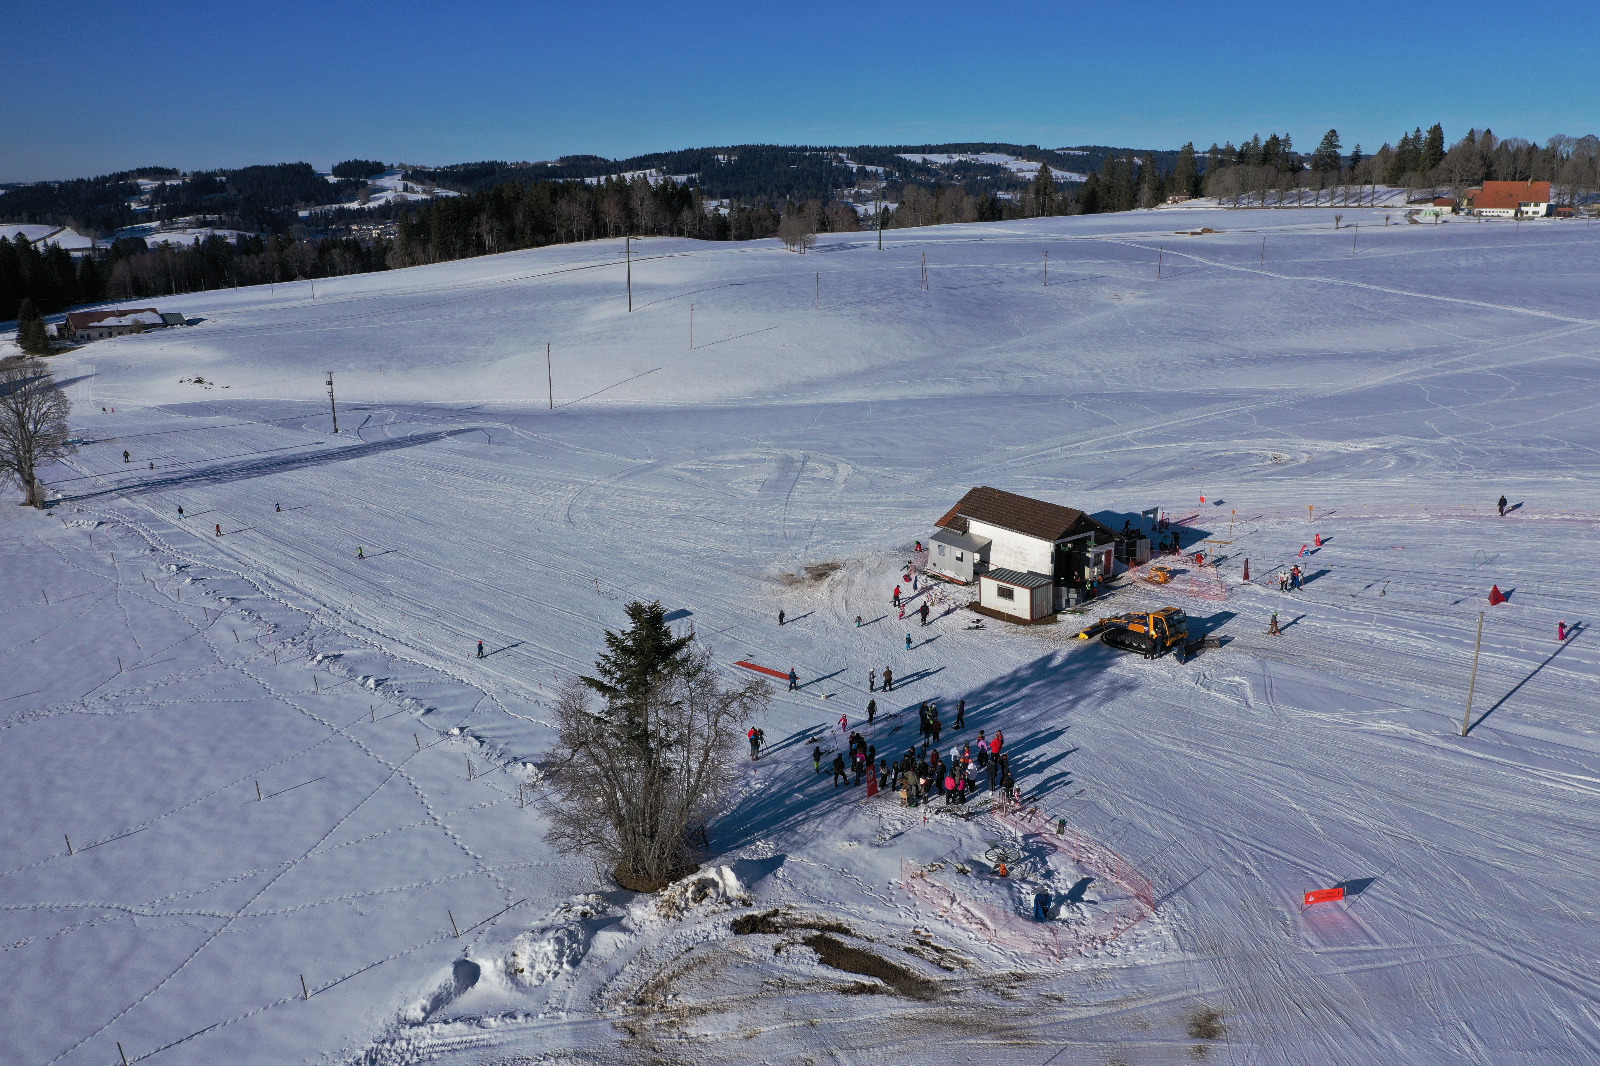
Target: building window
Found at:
x=1005, y=592
x=960, y=556
x=941, y=549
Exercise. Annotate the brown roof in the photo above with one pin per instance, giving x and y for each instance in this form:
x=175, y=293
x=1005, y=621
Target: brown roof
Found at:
x=77, y=320
x=1033, y=518
x=1508, y=195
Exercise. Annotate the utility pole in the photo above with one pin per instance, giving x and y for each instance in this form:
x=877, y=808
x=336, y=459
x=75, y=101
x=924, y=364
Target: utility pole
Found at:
x=819, y=291
x=331, y=405
x=627, y=244
x=1263, y=251
x=1047, y=268
x=1466, y=719
x=691, y=327
x=1160, y=255
x=1354, y=238
x=880, y=216
x=550, y=376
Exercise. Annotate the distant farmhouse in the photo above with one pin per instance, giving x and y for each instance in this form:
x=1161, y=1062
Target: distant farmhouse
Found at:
x=1509, y=199
x=85, y=326
x=1029, y=558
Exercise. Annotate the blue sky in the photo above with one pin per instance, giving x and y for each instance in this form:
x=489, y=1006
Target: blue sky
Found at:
x=91, y=87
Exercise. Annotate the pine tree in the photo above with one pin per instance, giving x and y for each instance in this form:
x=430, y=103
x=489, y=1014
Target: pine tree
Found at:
x=1326, y=158
x=1044, y=191
x=1186, y=174
x=638, y=659
x=1432, y=149
x=32, y=336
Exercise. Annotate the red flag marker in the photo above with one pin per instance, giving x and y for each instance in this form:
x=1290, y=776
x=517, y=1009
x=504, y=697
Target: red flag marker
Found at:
x=1496, y=596
x=784, y=674
x=1324, y=895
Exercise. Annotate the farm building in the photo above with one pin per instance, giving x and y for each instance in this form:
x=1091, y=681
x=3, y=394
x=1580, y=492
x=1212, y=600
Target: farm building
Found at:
x=85, y=326
x=1509, y=199
x=1028, y=556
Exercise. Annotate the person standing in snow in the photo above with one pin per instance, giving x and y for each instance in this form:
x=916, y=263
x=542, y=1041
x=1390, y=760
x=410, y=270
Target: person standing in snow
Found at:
x=180, y=510
x=888, y=679
x=872, y=680
x=844, y=723
x=908, y=635
x=755, y=744
x=839, y=771
x=1041, y=905
x=1502, y=506
x=816, y=758
x=995, y=744
x=961, y=715
x=125, y=458
x=858, y=621
x=923, y=610
x=780, y=617
x=897, y=595
x=277, y=507
x=1272, y=627
x=219, y=529
x=794, y=680
x=872, y=710
x=480, y=649
x=361, y=553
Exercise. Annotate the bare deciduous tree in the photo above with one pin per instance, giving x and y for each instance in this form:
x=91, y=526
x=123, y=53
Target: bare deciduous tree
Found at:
x=646, y=757
x=798, y=228
x=33, y=424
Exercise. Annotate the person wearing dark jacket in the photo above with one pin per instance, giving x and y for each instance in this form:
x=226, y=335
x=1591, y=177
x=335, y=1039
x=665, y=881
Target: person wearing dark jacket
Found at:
x=961, y=715
x=1502, y=507
x=816, y=757
x=839, y=771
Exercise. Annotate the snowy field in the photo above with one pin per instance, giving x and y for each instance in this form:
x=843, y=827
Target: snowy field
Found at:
x=305, y=822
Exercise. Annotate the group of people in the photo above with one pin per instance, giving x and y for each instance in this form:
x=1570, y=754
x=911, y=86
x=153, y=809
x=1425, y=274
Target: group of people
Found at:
x=931, y=727
x=921, y=777
x=1289, y=579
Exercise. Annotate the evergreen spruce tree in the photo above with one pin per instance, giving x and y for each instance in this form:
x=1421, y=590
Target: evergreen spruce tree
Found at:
x=1186, y=173
x=638, y=659
x=1327, y=156
x=1432, y=149
x=32, y=336
x=1044, y=191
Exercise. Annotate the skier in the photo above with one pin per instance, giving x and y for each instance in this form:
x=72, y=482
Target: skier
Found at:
x=1502, y=507
x=755, y=743
x=961, y=715
x=924, y=613
x=219, y=529
x=480, y=649
x=361, y=553
x=152, y=466
x=794, y=680
x=858, y=621
x=872, y=680
x=125, y=457
x=1294, y=577
x=896, y=588
x=1561, y=631
x=888, y=679
x=872, y=710
x=180, y=510
x=838, y=770
x=1272, y=628
x=816, y=758
x=277, y=507
x=1041, y=905
x=908, y=635
x=844, y=723
x=780, y=618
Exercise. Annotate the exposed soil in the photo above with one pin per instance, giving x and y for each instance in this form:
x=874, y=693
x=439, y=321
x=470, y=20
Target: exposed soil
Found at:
x=782, y=921
x=1206, y=1025
x=841, y=956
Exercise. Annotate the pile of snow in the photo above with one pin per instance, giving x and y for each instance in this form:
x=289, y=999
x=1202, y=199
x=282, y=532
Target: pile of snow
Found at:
x=713, y=889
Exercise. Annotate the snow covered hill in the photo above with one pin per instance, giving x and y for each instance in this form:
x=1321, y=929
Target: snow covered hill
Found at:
x=278, y=762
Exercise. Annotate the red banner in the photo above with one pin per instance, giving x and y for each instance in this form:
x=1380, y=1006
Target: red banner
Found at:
x=763, y=669
x=1324, y=895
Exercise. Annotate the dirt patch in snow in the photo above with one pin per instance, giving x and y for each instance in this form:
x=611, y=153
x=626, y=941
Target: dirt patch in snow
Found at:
x=841, y=956
x=779, y=921
x=1206, y=1025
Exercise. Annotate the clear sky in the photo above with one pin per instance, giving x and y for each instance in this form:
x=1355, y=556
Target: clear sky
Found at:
x=89, y=87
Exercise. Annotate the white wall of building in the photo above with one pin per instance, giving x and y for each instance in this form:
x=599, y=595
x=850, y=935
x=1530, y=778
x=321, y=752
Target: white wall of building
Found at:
x=1011, y=550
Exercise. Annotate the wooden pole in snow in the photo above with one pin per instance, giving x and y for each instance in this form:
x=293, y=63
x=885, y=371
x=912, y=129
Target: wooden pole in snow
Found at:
x=1466, y=719
x=550, y=376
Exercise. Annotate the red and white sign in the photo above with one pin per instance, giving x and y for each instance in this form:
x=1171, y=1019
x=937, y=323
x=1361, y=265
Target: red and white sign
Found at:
x=1324, y=895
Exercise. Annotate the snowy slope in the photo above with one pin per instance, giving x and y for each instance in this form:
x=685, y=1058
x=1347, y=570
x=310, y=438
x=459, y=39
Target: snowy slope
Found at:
x=829, y=411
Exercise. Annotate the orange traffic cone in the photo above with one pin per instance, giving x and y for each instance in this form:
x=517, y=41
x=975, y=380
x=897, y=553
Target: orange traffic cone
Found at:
x=1319, y=540
x=1001, y=872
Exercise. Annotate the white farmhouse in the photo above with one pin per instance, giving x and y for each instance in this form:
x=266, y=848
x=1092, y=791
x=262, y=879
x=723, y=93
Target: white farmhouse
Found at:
x=1027, y=556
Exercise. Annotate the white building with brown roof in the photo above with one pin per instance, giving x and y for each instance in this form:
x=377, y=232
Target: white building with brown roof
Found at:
x=1025, y=554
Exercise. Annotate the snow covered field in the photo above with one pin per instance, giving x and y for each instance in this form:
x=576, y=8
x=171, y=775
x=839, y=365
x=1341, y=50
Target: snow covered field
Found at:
x=829, y=412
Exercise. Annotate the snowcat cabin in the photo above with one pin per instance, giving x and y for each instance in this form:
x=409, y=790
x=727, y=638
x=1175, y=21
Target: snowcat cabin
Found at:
x=1039, y=546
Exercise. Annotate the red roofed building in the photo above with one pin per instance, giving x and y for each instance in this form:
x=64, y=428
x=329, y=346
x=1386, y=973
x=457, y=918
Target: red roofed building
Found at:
x=1509, y=199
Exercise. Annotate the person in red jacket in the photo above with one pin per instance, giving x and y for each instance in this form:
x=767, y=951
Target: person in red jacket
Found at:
x=994, y=745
